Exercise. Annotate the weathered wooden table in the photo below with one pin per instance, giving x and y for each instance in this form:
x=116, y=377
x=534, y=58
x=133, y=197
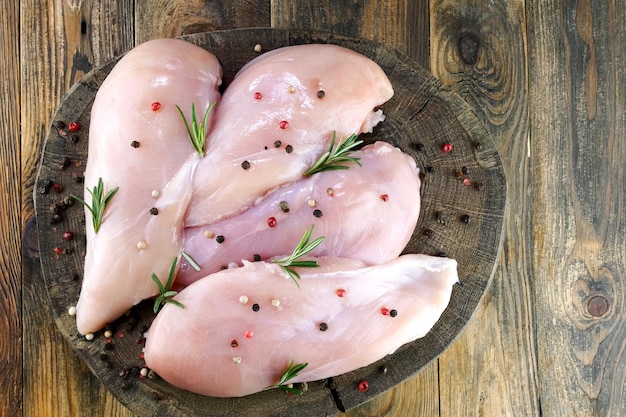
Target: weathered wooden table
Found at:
x=547, y=80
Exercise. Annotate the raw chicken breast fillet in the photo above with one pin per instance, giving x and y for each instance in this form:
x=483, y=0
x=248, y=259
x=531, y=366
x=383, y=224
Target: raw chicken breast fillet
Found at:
x=340, y=319
x=136, y=103
x=277, y=118
x=367, y=212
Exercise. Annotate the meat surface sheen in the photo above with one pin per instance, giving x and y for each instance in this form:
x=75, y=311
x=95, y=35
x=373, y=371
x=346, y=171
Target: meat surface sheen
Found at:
x=277, y=117
x=340, y=319
x=367, y=212
x=167, y=72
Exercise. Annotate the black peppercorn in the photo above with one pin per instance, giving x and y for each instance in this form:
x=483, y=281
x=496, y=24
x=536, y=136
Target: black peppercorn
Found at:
x=317, y=213
x=321, y=94
x=135, y=144
x=323, y=327
x=220, y=239
x=256, y=307
x=245, y=164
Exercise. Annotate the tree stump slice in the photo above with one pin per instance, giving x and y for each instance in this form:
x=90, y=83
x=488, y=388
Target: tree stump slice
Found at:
x=464, y=196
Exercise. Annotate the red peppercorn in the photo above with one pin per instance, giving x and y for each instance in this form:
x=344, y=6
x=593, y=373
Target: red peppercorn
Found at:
x=363, y=386
x=447, y=147
x=341, y=292
x=68, y=235
x=258, y=96
x=248, y=334
x=156, y=106
x=384, y=311
x=467, y=182
x=283, y=124
x=384, y=197
x=58, y=250
x=271, y=222
x=73, y=126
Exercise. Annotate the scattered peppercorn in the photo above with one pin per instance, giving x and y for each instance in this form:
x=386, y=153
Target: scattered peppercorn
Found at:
x=341, y=292
x=220, y=239
x=135, y=144
x=156, y=106
x=73, y=126
x=288, y=148
x=440, y=218
x=234, y=343
x=457, y=174
x=256, y=307
x=154, y=211
x=478, y=146
x=57, y=187
x=384, y=311
x=383, y=369
x=284, y=206
x=418, y=146
x=465, y=218
x=283, y=124
x=66, y=163
x=321, y=94
x=447, y=147
x=256, y=257
x=258, y=96
x=467, y=182
x=277, y=144
x=323, y=327
x=245, y=165
x=68, y=235
x=363, y=386
x=271, y=222
x=478, y=186
x=317, y=213
x=465, y=170
x=384, y=197
x=430, y=169
x=393, y=313
x=428, y=232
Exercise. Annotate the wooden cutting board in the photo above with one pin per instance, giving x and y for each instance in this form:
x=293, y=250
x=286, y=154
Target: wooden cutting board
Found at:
x=463, y=207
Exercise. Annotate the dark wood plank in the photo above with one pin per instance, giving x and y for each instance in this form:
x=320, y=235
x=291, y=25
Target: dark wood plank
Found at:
x=10, y=252
x=185, y=17
x=60, y=42
x=401, y=24
x=479, y=50
x=579, y=252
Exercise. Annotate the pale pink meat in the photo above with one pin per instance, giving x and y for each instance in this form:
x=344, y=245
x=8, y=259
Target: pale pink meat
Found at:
x=277, y=117
x=367, y=212
x=167, y=72
x=220, y=347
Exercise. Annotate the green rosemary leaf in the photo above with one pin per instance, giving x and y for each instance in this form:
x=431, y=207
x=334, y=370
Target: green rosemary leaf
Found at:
x=191, y=261
x=336, y=157
x=99, y=202
x=197, y=131
x=165, y=292
x=302, y=248
x=291, y=372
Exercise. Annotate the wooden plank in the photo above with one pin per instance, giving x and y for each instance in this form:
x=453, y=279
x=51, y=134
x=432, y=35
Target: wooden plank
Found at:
x=60, y=42
x=187, y=17
x=10, y=252
x=401, y=24
x=579, y=253
x=478, y=48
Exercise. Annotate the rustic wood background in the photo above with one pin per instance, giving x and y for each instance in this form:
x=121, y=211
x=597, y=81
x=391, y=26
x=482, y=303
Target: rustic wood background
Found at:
x=546, y=78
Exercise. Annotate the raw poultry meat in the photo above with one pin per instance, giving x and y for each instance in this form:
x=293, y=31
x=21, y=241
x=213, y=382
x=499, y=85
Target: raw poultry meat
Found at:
x=277, y=117
x=367, y=212
x=138, y=143
x=242, y=327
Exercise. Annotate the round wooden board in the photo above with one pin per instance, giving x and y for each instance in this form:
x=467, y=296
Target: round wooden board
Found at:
x=463, y=206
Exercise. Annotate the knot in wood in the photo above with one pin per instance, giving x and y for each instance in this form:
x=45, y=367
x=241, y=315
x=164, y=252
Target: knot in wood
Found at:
x=597, y=306
x=468, y=48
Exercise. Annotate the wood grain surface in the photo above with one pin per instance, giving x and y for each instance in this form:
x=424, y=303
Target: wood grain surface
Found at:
x=547, y=80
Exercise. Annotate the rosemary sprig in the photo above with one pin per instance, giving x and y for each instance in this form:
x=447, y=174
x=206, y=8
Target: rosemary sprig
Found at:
x=304, y=247
x=192, y=262
x=197, y=131
x=99, y=201
x=165, y=292
x=291, y=372
x=336, y=157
